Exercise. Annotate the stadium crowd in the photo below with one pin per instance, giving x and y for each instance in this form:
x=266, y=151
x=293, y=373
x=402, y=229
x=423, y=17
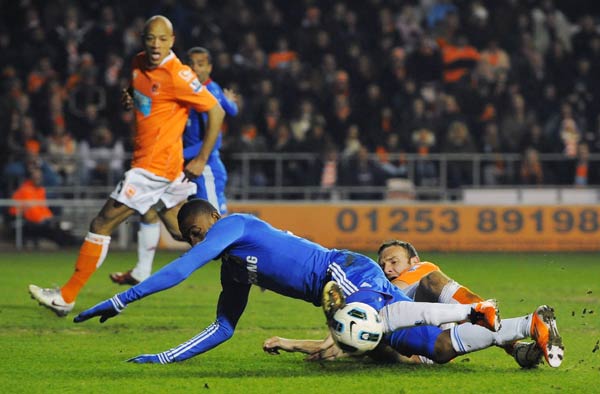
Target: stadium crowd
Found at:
x=350, y=80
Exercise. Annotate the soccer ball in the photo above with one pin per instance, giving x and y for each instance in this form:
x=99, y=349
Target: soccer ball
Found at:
x=356, y=328
x=527, y=355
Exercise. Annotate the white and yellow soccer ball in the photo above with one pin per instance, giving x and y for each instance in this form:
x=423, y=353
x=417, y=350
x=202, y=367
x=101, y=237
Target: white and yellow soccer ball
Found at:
x=356, y=328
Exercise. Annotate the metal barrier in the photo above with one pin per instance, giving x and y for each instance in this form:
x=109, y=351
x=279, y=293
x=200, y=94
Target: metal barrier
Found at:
x=264, y=175
x=78, y=213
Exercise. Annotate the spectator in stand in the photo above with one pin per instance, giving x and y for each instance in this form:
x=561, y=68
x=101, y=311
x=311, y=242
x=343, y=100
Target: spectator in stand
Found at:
x=392, y=157
x=282, y=56
x=584, y=33
x=104, y=158
x=39, y=221
x=353, y=143
x=494, y=61
x=62, y=151
x=425, y=63
x=329, y=173
x=423, y=142
x=583, y=172
x=531, y=172
x=493, y=171
x=459, y=140
x=460, y=58
x=515, y=123
x=550, y=24
x=361, y=172
x=303, y=120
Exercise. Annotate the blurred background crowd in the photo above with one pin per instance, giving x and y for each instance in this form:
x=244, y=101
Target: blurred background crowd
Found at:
x=360, y=83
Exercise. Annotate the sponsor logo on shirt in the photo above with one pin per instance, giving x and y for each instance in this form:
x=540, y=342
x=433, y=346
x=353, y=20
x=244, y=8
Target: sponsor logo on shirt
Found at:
x=252, y=267
x=142, y=102
x=196, y=85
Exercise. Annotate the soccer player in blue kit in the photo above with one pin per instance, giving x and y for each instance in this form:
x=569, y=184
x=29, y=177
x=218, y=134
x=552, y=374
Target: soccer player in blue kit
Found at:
x=254, y=252
x=210, y=185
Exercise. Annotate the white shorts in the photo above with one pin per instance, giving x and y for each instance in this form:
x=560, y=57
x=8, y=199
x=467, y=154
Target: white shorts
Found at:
x=141, y=190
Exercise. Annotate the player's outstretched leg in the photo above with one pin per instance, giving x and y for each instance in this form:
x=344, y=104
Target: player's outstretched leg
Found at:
x=486, y=314
x=332, y=299
x=51, y=299
x=545, y=333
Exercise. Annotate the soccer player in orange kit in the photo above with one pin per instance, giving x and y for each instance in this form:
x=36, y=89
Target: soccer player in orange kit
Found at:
x=163, y=91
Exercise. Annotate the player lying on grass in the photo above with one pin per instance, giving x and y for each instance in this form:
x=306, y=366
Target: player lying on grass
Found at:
x=424, y=281
x=254, y=252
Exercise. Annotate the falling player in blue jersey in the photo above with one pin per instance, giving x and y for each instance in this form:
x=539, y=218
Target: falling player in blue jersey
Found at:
x=254, y=252
x=210, y=185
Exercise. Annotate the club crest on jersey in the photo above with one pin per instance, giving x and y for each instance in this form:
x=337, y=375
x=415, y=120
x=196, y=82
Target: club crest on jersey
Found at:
x=154, y=88
x=130, y=191
x=186, y=74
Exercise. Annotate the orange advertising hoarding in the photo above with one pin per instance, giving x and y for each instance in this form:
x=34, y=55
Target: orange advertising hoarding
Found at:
x=438, y=227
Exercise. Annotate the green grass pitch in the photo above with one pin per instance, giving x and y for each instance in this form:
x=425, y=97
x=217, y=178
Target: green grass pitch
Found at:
x=42, y=353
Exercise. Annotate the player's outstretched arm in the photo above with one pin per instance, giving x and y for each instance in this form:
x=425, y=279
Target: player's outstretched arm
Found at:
x=106, y=309
x=232, y=302
x=274, y=345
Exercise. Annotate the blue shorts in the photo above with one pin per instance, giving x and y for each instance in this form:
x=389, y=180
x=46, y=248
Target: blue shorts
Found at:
x=211, y=184
x=414, y=340
x=362, y=280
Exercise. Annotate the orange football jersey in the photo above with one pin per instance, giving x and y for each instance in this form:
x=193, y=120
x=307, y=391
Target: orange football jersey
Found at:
x=162, y=97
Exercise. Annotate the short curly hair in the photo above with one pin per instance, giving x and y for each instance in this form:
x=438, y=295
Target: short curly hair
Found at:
x=412, y=252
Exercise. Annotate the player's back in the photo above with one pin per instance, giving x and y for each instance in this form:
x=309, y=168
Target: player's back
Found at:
x=278, y=260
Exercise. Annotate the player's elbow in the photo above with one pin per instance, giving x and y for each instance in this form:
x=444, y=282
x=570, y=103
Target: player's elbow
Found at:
x=216, y=113
x=226, y=329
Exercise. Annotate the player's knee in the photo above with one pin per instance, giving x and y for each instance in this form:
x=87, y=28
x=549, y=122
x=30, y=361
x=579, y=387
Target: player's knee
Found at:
x=443, y=349
x=150, y=217
x=100, y=225
x=433, y=282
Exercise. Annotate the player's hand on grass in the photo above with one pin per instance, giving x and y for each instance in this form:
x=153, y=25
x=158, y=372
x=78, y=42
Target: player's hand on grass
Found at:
x=105, y=309
x=273, y=345
x=160, y=358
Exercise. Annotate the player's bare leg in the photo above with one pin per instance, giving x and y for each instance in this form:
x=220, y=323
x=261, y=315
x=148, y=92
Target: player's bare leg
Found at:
x=148, y=238
x=91, y=256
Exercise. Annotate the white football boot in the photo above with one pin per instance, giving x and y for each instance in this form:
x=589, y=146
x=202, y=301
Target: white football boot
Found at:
x=51, y=299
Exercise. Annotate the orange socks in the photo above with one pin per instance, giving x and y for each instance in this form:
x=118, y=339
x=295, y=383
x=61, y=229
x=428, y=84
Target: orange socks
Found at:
x=91, y=256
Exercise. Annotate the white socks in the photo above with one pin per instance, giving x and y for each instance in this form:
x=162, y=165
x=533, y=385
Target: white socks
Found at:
x=469, y=337
x=447, y=293
x=404, y=314
x=148, y=237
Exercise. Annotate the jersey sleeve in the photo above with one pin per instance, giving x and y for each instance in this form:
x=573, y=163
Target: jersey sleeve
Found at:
x=223, y=234
x=232, y=302
x=190, y=91
x=229, y=106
